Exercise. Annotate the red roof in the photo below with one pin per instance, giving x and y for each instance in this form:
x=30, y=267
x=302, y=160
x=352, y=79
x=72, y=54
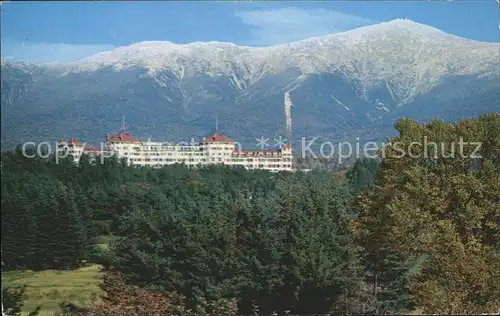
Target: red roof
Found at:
x=257, y=152
x=217, y=138
x=75, y=141
x=123, y=137
x=72, y=141
x=90, y=148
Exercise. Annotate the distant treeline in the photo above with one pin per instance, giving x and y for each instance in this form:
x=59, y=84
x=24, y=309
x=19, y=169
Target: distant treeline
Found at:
x=391, y=236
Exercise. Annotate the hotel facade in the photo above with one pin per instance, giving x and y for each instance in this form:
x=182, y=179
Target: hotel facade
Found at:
x=214, y=149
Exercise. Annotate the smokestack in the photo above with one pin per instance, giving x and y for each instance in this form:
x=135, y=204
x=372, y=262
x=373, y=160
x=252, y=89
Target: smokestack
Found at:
x=106, y=137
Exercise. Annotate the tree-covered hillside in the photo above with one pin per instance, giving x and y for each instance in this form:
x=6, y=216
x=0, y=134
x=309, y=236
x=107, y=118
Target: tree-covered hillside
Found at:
x=391, y=236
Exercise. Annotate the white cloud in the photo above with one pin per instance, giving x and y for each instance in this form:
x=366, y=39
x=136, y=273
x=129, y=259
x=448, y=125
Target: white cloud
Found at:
x=49, y=52
x=290, y=24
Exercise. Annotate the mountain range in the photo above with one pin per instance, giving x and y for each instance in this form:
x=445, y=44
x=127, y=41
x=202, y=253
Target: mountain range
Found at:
x=337, y=87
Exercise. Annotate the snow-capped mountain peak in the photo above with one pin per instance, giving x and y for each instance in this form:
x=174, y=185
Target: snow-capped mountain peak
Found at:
x=339, y=83
x=409, y=56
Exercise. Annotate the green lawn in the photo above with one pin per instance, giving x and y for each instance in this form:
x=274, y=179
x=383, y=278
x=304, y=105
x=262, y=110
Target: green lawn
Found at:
x=49, y=288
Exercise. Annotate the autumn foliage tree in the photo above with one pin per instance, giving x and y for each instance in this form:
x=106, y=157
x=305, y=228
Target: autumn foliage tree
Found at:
x=434, y=216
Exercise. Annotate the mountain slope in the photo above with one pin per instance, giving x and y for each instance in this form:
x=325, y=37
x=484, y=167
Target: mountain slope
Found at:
x=353, y=84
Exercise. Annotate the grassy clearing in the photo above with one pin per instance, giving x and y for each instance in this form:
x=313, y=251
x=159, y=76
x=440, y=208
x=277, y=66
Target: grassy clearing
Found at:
x=50, y=288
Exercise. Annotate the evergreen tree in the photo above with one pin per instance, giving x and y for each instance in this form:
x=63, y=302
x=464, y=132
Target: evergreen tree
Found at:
x=363, y=173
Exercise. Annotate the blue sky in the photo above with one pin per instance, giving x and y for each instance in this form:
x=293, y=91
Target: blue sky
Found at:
x=64, y=31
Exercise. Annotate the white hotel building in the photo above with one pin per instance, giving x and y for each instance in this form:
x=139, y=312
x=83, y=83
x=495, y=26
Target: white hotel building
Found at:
x=214, y=149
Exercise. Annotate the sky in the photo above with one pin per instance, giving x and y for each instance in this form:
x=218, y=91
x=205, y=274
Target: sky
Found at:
x=70, y=30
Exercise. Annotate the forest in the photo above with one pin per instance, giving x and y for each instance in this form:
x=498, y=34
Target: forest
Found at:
x=392, y=235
